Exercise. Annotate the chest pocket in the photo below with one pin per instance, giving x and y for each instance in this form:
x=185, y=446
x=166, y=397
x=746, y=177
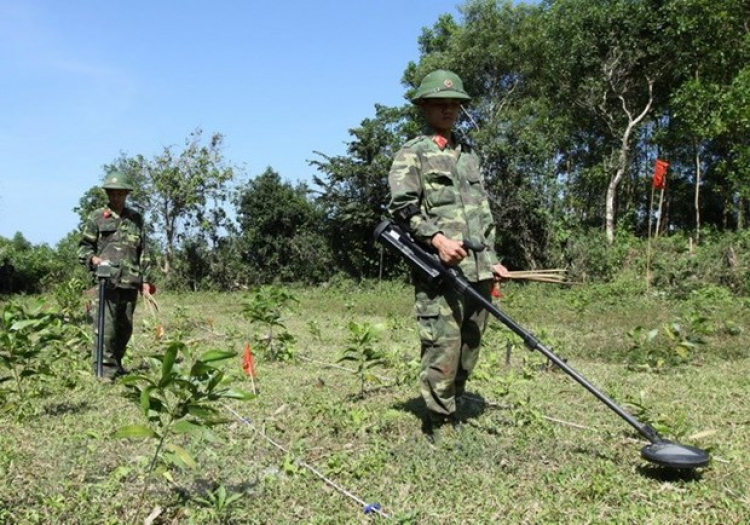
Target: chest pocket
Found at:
x=109, y=239
x=439, y=188
x=107, y=230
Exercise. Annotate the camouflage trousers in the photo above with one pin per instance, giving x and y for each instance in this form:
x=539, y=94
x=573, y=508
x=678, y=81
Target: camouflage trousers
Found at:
x=119, y=305
x=450, y=330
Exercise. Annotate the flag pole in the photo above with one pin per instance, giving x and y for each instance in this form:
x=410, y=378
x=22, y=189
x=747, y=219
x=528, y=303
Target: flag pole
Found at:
x=648, y=246
x=248, y=365
x=658, y=218
x=657, y=182
x=252, y=384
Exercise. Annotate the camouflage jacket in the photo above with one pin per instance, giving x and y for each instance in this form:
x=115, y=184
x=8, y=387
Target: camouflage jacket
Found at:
x=440, y=190
x=120, y=239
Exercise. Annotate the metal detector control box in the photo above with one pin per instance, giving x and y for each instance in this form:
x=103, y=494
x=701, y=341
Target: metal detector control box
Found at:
x=104, y=270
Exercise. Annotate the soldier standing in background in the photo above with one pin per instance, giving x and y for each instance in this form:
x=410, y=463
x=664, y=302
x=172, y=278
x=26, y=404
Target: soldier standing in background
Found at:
x=115, y=235
x=438, y=195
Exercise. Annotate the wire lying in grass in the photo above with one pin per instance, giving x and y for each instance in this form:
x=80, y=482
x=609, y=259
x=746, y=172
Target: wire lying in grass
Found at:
x=368, y=508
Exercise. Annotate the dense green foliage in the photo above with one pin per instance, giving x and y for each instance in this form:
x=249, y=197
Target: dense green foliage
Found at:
x=573, y=102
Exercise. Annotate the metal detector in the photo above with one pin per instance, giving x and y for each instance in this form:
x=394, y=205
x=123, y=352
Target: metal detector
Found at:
x=660, y=451
x=103, y=272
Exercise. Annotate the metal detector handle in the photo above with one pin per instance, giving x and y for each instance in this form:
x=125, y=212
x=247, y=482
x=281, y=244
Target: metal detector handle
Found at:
x=473, y=245
x=393, y=237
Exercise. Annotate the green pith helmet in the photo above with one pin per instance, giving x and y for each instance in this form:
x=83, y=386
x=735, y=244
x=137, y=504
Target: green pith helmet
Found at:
x=117, y=181
x=441, y=83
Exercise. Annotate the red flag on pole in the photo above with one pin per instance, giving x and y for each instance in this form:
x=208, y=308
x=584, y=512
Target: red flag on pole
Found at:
x=248, y=365
x=660, y=174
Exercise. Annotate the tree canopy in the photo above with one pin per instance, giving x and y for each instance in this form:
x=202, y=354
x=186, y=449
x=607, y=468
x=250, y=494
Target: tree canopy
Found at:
x=573, y=101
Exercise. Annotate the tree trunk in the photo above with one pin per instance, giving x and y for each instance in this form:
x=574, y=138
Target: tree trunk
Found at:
x=169, y=234
x=609, y=214
x=697, y=195
x=623, y=158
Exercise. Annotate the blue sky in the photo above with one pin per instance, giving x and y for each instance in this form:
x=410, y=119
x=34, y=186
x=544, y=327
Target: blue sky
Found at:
x=82, y=81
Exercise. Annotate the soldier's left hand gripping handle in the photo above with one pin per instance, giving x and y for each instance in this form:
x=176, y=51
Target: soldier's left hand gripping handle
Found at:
x=428, y=264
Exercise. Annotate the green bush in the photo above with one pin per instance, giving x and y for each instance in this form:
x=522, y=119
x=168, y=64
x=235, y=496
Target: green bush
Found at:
x=722, y=259
x=589, y=257
x=677, y=265
x=41, y=268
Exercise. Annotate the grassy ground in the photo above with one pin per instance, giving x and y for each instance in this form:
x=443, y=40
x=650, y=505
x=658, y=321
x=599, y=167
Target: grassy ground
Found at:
x=535, y=446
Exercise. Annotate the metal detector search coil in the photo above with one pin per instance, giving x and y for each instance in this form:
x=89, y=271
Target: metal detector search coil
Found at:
x=660, y=451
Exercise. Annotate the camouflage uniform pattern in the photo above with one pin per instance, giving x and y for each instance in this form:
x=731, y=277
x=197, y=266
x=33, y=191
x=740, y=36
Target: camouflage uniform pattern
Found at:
x=120, y=239
x=450, y=329
x=445, y=186
x=119, y=306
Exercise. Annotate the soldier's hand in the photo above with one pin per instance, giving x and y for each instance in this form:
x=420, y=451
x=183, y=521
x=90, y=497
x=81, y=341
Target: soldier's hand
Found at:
x=450, y=252
x=500, y=272
x=96, y=261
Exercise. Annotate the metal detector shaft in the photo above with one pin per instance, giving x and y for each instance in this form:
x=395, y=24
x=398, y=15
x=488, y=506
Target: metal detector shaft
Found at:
x=533, y=344
x=100, y=330
x=104, y=271
x=431, y=268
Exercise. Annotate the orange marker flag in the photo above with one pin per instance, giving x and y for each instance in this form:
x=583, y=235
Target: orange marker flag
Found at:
x=248, y=364
x=660, y=174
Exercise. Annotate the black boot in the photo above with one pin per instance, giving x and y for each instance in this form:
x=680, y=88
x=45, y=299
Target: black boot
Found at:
x=433, y=427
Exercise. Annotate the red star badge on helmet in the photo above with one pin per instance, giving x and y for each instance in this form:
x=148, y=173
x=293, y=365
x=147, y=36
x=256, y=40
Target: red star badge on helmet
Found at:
x=448, y=83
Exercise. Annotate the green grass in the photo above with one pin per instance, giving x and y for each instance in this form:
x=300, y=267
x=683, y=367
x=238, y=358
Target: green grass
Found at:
x=539, y=449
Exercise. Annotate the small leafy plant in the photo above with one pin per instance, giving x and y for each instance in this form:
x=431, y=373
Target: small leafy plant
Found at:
x=218, y=501
x=177, y=400
x=650, y=352
x=314, y=327
x=362, y=352
x=670, y=425
x=69, y=297
x=266, y=308
x=26, y=338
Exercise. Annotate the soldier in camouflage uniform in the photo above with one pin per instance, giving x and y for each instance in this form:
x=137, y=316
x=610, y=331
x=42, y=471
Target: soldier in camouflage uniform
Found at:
x=116, y=235
x=438, y=195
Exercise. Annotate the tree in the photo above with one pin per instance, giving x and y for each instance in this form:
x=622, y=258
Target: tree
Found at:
x=280, y=231
x=19, y=243
x=187, y=191
x=702, y=107
x=355, y=188
x=516, y=131
x=605, y=58
x=736, y=113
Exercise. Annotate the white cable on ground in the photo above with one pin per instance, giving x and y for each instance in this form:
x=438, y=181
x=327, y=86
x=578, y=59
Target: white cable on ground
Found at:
x=368, y=508
x=331, y=365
